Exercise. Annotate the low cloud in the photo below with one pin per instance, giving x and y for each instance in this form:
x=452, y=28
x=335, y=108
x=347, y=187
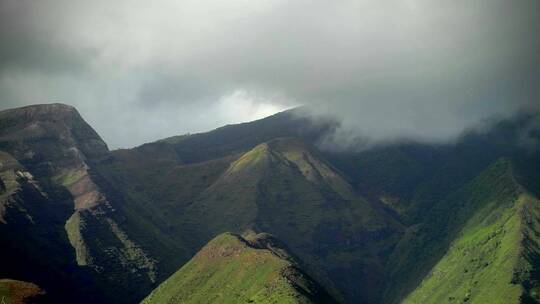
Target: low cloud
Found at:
x=385, y=69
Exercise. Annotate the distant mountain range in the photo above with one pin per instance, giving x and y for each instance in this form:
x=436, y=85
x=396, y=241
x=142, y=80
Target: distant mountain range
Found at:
x=259, y=213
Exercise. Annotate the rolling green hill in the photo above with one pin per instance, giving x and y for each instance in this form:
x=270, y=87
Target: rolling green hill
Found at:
x=232, y=269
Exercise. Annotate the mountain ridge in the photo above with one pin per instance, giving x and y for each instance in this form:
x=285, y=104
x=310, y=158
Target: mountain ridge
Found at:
x=369, y=226
x=252, y=270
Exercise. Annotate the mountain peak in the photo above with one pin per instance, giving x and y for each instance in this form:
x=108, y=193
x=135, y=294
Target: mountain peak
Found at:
x=280, y=148
x=41, y=111
x=41, y=123
x=54, y=141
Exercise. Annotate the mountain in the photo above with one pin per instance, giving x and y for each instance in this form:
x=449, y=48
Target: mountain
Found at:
x=51, y=203
x=494, y=256
x=283, y=188
x=235, y=269
x=395, y=222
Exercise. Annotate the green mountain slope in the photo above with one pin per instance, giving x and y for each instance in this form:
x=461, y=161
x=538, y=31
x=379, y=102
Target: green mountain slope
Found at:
x=284, y=188
x=275, y=187
x=231, y=269
x=377, y=225
x=494, y=257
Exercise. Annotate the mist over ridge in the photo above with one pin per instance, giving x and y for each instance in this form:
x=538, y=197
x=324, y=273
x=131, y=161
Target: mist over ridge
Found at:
x=417, y=68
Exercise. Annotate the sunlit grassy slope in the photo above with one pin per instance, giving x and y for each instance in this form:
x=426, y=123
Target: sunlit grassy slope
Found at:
x=231, y=269
x=494, y=257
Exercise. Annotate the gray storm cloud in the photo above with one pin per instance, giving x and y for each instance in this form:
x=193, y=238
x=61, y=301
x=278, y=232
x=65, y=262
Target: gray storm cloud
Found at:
x=139, y=71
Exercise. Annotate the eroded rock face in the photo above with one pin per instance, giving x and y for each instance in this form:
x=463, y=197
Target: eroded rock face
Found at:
x=53, y=141
x=51, y=148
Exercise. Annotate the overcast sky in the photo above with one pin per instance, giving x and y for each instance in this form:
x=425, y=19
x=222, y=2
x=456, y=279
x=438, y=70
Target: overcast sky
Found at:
x=143, y=70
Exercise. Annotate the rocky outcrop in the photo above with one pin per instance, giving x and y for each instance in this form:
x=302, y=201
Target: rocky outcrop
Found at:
x=52, y=149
